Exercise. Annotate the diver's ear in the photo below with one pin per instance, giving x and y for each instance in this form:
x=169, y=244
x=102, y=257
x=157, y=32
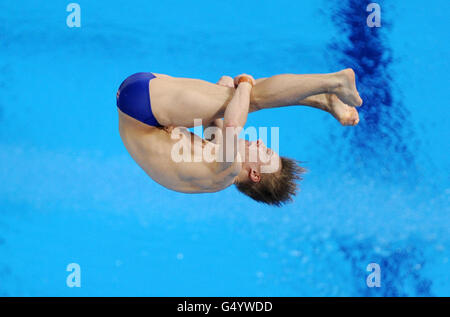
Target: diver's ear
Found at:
x=254, y=175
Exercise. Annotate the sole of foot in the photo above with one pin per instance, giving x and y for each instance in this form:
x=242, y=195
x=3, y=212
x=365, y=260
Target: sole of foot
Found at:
x=346, y=115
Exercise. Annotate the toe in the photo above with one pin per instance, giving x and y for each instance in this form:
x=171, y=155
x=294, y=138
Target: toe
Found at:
x=355, y=117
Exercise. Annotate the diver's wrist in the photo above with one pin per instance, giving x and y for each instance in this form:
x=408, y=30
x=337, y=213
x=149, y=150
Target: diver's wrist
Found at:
x=245, y=79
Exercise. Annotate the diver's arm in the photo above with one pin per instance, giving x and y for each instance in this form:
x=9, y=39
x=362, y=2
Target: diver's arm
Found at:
x=213, y=131
x=235, y=118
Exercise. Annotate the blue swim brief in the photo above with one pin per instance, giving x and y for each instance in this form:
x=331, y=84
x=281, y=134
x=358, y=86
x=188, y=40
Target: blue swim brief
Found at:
x=133, y=98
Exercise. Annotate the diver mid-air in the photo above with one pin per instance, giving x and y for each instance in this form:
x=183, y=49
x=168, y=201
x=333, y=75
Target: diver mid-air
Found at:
x=153, y=106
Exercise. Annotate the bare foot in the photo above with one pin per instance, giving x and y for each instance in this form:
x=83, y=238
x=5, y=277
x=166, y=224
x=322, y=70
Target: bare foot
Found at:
x=346, y=90
x=346, y=115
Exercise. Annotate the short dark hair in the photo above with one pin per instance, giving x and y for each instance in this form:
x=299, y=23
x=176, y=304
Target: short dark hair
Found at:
x=276, y=188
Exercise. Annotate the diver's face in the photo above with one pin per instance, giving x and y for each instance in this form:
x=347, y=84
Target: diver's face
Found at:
x=261, y=158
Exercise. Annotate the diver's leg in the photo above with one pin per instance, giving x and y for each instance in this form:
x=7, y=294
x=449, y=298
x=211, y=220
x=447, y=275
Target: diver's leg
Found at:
x=178, y=101
x=289, y=89
x=330, y=103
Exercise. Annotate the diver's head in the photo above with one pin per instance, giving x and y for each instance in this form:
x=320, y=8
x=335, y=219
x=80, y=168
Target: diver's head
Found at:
x=269, y=178
x=258, y=158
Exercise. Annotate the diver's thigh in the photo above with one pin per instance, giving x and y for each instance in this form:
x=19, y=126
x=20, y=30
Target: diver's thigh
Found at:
x=180, y=101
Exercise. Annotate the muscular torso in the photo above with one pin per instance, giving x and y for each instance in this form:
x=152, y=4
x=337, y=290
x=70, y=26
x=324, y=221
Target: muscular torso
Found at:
x=152, y=148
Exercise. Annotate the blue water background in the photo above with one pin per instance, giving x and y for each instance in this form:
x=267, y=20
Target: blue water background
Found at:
x=69, y=191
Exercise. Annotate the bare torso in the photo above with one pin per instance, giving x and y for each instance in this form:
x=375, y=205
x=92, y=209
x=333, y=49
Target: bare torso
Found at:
x=180, y=101
x=151, y=148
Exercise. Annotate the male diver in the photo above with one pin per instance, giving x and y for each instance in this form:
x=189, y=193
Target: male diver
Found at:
x=152, y=106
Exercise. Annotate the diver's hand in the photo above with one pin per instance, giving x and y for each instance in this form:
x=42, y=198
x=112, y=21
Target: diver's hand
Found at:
x=226, y=81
